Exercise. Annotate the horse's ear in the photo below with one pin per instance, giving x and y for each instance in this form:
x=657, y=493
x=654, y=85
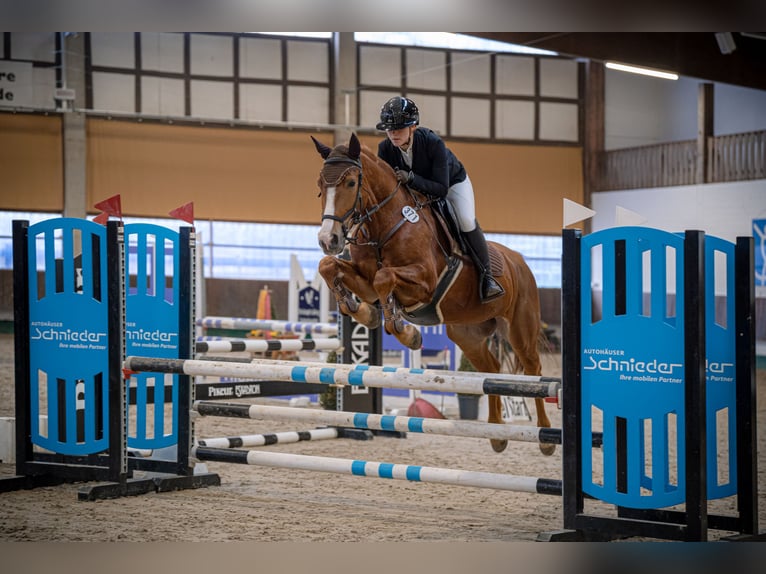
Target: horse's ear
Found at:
x=354, y=147
x=323, y=150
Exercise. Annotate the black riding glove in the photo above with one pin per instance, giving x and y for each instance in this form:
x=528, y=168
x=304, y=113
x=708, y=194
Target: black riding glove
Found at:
x=404, y=177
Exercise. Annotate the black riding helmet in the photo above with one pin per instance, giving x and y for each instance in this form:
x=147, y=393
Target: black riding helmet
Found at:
x=398, y=113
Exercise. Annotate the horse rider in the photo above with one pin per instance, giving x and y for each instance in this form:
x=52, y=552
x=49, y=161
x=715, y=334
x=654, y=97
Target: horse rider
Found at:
x=423, y=162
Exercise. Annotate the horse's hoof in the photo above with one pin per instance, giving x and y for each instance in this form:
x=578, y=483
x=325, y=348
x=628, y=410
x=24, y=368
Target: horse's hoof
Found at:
x=417, y=341
x=547, y=449
x=374, y=321
x=498, y=445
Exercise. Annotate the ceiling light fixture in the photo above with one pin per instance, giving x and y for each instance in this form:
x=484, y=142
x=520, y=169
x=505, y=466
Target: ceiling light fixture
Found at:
x=725, y=42
x=643, y=71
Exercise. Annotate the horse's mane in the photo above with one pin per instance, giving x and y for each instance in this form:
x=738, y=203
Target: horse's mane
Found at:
x=366, y=155
x=373, y=157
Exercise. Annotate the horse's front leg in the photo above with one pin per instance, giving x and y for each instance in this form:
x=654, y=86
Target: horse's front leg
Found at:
x=396, y=286
x=345, y=281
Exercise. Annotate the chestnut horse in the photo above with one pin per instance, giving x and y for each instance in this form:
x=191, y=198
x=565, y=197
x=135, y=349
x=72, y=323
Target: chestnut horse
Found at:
x=400, y=260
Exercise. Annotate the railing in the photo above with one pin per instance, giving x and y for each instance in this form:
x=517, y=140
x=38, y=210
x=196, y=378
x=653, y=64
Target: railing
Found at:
x=737, y=157
x=734, y=157
x=656, y=165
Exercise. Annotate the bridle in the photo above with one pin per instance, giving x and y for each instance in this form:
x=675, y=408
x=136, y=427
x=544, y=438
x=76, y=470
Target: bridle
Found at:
x=356, y=206
x=357, y=214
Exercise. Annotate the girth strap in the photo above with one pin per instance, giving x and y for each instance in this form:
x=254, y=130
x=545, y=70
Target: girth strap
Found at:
x=430, y=313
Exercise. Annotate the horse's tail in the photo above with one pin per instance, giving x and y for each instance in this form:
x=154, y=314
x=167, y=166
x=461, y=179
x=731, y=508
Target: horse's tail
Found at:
x=502, y=350
x=516, y=367
x=509, y=361
x=548, y=341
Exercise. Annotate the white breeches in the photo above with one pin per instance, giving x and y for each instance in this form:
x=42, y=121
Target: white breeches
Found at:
x=460, y=196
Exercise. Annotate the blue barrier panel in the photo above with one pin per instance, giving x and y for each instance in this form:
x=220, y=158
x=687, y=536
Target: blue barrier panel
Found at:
x=720, y=337
x=633, y=366
x=721, y=364
x=435, y=340
x=68, y=313
x=151, y=329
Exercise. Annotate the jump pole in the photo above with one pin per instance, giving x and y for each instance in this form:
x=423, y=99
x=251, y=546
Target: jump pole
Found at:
x=470, y=429
x=267, y=439
x=266, y=345
x=244, y=324
x=254, y=440
x=382, y=470
x=436, y=373
x=342, y=375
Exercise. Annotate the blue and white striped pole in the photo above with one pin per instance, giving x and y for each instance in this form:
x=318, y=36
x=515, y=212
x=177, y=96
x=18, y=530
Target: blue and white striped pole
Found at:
x=470, y=429
x=357, y=375
x=382, y=470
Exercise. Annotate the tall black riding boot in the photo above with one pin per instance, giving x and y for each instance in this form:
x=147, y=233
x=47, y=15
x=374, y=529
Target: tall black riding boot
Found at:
x=488, y=288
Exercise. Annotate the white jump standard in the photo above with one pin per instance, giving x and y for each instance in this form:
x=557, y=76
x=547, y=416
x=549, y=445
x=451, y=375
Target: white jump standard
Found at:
x=358, y=375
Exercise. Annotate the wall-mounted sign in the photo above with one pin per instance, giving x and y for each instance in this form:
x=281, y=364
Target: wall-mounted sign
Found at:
x=15, y=84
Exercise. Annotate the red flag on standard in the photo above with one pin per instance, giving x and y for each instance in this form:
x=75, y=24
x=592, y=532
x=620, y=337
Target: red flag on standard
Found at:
x=101, y=218
x=111, y=206
x=185, y=212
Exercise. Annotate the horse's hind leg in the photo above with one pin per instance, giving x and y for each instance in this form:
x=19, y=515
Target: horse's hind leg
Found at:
x=525, y=345
x=473, y=342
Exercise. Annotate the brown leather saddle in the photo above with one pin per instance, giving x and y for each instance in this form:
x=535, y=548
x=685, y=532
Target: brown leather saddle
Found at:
x=430, y=313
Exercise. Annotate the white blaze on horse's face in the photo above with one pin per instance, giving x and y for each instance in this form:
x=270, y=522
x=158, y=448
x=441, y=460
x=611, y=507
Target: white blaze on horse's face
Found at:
x=331, y=233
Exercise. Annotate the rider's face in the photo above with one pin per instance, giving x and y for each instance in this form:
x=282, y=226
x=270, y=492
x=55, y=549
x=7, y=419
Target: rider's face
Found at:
x=401, y=136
